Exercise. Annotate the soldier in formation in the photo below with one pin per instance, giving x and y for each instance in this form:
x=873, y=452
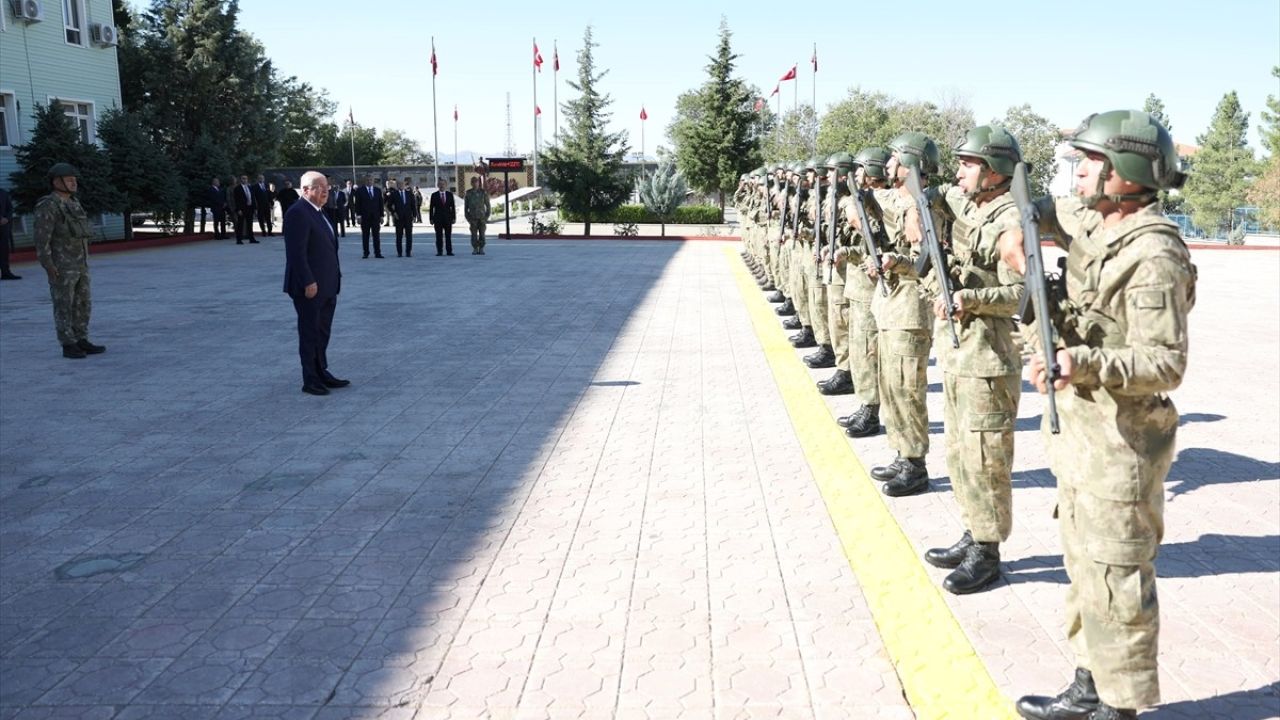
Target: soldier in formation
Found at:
x=1118, y=320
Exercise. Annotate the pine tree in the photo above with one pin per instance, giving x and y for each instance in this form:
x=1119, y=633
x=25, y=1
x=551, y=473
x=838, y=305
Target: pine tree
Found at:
x=722, y=137
x=585, y=169
x=662, y=192
x=1155, y=107
x=1265, y=193
x=1223, y=166
x=56, y=139
x=139, y=170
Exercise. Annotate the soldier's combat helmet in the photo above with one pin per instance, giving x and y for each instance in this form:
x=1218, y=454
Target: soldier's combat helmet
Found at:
x=873, y=159
x=1137, y=146
x=817, y=165
x=841, y=163
x=996, y=148
x=58, y=170
x=915, y=149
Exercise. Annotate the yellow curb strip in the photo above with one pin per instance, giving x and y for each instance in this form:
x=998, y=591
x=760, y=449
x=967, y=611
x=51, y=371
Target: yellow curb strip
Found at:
x=941, y=674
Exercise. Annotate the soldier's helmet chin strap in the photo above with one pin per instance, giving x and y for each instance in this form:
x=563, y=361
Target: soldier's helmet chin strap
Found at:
x=1091, y=201
x=984, y=172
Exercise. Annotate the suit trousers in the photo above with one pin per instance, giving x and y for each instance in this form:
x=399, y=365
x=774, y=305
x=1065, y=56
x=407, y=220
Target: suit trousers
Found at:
x=265, y=219
x=370, y=226
x=244, y=224
x=404, y=229
x=219, y=225
x=315, y=320
x=6, y=244
x=444, y=238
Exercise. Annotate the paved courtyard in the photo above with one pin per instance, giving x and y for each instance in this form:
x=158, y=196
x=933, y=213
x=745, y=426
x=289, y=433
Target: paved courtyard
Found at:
x=569, y=480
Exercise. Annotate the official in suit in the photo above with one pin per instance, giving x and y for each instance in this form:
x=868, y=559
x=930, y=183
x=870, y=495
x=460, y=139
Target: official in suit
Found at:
x=313, y=279
x=216, y=201
x=335, y=208
x=403, y=207
x=443, y=213
x=264, y=201
x=368, y=200
x=242, y=207
x=287, y=197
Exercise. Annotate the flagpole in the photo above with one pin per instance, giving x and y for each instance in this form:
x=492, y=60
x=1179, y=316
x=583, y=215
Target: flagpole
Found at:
x=535, y=118
x=795, y=91
x=455, y=137
x=435, y=131
x=815, y=97
x=555, y=91
x=351, y=125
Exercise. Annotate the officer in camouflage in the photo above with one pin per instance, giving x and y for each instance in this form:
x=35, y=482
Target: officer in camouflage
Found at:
x=475, y=207
x=62, y=235
x=835, y=257
x=1122, y=335
x=982, y=379
x=864, y=354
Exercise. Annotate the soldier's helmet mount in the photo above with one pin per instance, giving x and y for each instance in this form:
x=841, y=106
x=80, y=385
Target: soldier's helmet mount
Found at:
x=1136, y=146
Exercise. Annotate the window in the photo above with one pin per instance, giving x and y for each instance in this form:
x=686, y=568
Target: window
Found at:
x=73, y=21
x=8, y=120
x=81, y=114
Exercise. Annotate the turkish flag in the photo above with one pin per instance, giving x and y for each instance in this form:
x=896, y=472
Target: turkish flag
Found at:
x=537, y=111
x=643, y=115
x=537, y=58
x=555, y=58
x=435, y=68
x=791, y=75
x=776, y=88
x=814, y=59
x=455, y=113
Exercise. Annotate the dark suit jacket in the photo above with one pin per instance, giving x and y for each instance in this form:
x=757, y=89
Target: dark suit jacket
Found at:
x=311, y=253
x=403, y=207
x=287, y=197
x=262, y=196
x=238, y=200
x=216, y=199
x=368, y=208
x=443, y=212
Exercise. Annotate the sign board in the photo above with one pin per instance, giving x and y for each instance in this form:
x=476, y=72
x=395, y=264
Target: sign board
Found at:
x=505, y=164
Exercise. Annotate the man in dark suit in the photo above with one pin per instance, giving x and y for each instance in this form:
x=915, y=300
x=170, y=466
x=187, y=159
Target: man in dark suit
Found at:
x=443, y=213
x=313, y=279
x=264, y=201
x=402, y=209
x=368, y=200
x=287, y=197
x=242, y=206
x=336, y=208
x=216, y=201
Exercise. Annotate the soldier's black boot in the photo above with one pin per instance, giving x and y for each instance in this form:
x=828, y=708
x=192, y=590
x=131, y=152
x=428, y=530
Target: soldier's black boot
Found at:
x=840, y=383
x=777, y=297
x=804, y=338
x=787, y=308
x=1077, y=702
x=766, y=286
x=912, y=479
x=980, y=568
x=89, y=348
x=72, y=351
x=1106, y=712
x=824, y=358
x=949, y=558
x=792, y=323
x=864, y=423
x=885, y=473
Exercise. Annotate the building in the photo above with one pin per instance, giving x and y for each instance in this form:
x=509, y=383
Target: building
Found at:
x=55, y=51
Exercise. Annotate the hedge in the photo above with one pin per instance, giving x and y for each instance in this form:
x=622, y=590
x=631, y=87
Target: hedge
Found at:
x=684, y=215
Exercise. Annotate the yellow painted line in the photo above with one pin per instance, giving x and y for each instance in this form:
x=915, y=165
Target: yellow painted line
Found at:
x=941, y=674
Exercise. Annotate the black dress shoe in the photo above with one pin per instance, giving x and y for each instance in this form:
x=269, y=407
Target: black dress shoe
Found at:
x=864, y=423
x=90, y=348
x=840, y=383
x=803, y=339
x=253, y=242
x=439, y=254
x=365, y=256
x=239, y=242
x=912, y=479
x=72, y=351
x=1075, y=703
x=10, y=276
x=315, y=389
x=792, y=323
x=885, y=473
x=950, y=557
x=378, y=257
x=333, y=382
x=979, y=569
x=449, y=254
x=824, y=358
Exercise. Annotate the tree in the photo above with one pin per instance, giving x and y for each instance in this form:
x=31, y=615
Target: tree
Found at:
x=1271, y=120
x=585, y=169
x=720, y=139
x=56, y=139
x=1265, y=193
x=400, y=149
x=1223, y=167
x=1155, y=107
x=370, y=149
x=860, y=120
x=302, y=112
x=1037, y=137
x=662, y=192
x=139, y=170
x=791, y=140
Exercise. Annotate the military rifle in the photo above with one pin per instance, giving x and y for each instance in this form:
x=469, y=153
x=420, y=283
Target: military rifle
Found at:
x=831, y=224
x=801, y=196
x=936, y=256
x=1035, y=296
x=818, y=239
x=783, y=208
x=868, y=240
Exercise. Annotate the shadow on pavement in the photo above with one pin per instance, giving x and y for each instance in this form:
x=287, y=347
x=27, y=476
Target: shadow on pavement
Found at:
x=1200, y=467
x=1211, y=554
x=1262, y=703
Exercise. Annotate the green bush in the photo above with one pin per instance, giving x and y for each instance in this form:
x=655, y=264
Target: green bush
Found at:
x=684, y=215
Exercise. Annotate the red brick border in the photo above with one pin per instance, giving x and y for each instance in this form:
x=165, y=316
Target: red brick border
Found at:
x=110, y=246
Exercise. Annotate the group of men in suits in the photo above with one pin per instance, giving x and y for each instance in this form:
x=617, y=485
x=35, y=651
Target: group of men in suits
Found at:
x=243, y=203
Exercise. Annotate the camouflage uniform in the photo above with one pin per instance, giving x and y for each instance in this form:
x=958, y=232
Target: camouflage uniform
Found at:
x=796, y=282
x=837, y=268
x=816, y=292
x=864, y=342
x=62, y=234
x=1130, y=288
x=476, y=209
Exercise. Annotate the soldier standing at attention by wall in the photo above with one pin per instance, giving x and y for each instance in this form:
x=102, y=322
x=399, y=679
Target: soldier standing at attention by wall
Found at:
x=475, y=205
x=62, y=236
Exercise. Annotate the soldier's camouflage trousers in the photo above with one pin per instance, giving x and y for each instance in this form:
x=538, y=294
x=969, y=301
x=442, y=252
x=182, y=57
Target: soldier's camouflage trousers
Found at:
x=1111, y=464
x=838, y=323
x=817, y=298
x=477, y=233
x=904, y=360
x=796, y=283
x=71, y=305
x=864, y=352
x=978, y=414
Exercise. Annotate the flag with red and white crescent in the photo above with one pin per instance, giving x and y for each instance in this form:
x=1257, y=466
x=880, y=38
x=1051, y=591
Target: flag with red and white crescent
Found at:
x=791, y=75
x=537, y=58
x=643, y=115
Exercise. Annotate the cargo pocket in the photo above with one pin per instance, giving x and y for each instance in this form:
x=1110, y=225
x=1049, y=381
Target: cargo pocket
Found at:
x=990, y=422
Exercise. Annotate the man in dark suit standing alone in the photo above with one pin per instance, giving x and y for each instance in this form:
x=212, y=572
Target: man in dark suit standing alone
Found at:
x=216, y=200
x=443, y=213
x=264, y=201
x=242, y=204
x=368, y=202
x=402, y=209
x=313, y=279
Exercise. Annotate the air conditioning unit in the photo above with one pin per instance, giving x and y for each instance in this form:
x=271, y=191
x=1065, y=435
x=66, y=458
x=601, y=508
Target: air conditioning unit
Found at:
x=28, y=10
x=103, y=34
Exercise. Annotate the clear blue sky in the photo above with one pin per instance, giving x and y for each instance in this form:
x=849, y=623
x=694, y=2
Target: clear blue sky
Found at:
x=1065, y=59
